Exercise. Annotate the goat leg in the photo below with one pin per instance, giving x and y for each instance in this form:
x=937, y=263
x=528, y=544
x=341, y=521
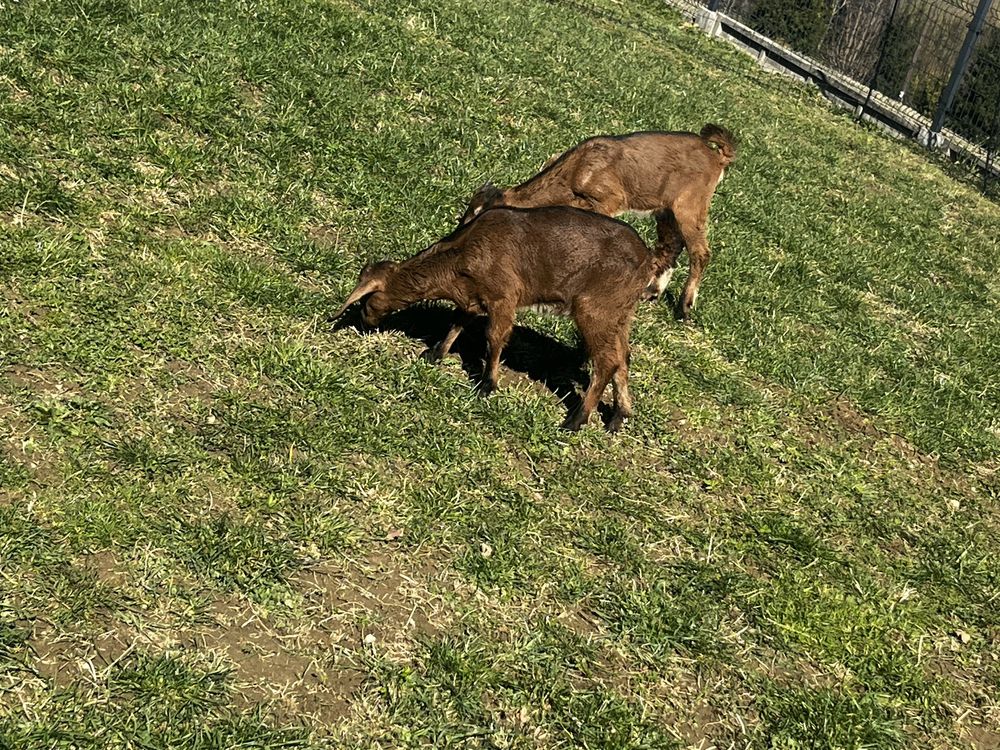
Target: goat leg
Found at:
x=607, y=341
x=693, y=227
x=700, y=255
x=669, y=245
x=581, y=415
x=608, y=350
x=623, y=400
x=574, y=420
x=498, y=330
x=443, y=347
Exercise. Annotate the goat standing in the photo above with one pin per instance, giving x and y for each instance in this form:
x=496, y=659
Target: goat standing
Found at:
x=579, y=263
x=671, y=175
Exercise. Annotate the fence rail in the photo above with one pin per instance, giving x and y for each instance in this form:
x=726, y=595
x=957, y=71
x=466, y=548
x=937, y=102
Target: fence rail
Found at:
x=926, y=69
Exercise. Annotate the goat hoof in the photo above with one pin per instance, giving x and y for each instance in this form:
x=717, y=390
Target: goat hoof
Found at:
x=485, y=388
x=616, y=422
x=431, y=354
x=573, y=422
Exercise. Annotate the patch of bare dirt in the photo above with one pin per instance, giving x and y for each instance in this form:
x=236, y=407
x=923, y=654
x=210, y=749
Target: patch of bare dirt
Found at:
x=187, y=384
x=24, y=308
x=847, y=416
x=581, y=621
x=324, y=236
x=980, y=737
x=312, y=665
x=788, y=671
x=21, y=444
x=65, y=659
x=688, y=709
x=84, y=651
x=695, y=729
x=173, y=232
x=38, y=380
x=297, y=673
x=972, y=698
x=105, y=566
x=381, y=599
x=191, y=383
x=843, y=422
x=302, y=667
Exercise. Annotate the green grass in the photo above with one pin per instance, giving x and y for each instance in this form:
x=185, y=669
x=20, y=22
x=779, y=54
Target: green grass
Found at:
x=227, y=522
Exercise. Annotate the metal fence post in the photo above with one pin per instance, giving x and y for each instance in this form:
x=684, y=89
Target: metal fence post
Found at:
x=881, y=57
x=992, y=147
x=948, y=95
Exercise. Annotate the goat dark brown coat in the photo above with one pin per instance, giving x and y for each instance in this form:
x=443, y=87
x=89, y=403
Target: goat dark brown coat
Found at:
x=671, y=175
x=586, y=265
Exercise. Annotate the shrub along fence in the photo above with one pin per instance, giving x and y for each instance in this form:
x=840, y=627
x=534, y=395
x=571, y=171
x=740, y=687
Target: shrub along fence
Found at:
x=928, y=69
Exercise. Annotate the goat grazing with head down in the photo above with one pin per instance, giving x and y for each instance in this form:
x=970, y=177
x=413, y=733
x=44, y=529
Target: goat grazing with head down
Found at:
x=588, y=266
x=671, y=175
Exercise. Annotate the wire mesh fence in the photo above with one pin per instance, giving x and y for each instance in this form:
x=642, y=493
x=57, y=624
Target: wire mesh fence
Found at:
x=936, y=62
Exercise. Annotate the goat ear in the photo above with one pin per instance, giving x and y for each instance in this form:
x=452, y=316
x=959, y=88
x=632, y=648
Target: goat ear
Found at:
x=485, y=190
x=371, y=280
x=476, y=204
x=491, y=194
x=485, y=197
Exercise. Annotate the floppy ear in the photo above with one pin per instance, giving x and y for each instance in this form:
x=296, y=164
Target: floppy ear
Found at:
x=372, y=280
x=484, y=198
x=490, y=194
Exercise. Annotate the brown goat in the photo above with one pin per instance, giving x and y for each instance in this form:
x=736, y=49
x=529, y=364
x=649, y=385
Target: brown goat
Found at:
x=579, y=263
x=671, y=175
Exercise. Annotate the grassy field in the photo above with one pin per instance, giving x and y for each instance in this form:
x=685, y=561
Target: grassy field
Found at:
x=227, y=522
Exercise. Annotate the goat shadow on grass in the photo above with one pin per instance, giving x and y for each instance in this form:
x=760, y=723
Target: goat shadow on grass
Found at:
x=557, y=366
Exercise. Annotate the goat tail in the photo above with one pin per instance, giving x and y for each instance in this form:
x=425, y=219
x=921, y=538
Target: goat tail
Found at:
x=719, y=139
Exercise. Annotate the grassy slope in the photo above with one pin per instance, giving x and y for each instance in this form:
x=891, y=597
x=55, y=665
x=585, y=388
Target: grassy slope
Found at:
x=223, y=521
